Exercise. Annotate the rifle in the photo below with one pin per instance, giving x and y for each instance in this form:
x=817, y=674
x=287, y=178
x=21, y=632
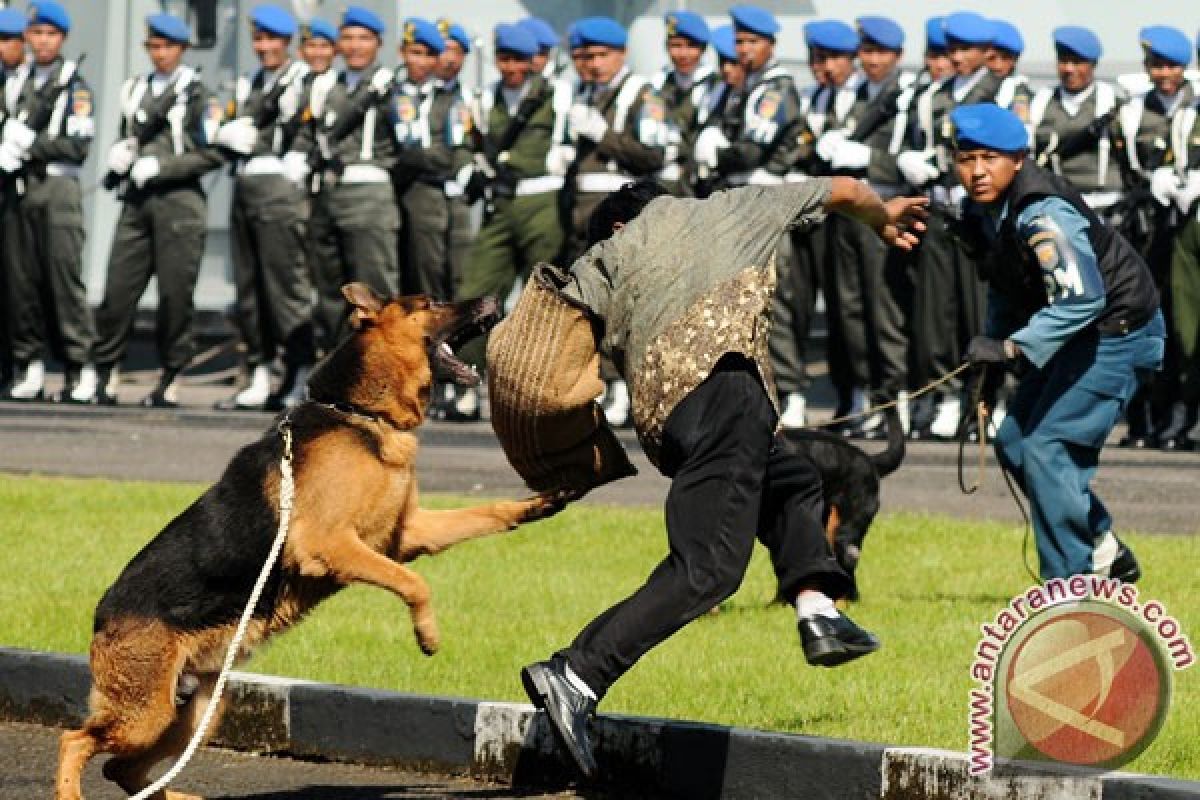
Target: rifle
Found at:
x=1078, y=142
x=491, y=158
x=878, y=113
x=268, y=109
x=1136, y=212
x=154, y=121
x=344, y=125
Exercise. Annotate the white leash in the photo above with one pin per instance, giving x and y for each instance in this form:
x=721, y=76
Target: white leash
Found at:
x=287, y=490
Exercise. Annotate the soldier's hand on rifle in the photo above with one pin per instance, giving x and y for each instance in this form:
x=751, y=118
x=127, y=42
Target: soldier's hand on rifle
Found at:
x=587, y=123
x=850, y=155
x=19, y=135
x=559, y=159
x=238, y=135
x=122, y=155
x=10, y=157
x=1164, y=185
x=1187, y=195
x=475, y=185
x=709, y=145
x=144, y=170
x=828, y=144
x=916, y=167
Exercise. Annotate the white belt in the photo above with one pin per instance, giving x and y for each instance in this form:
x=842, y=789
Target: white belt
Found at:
x=60, y=170
x=602, y=181
x=262, y=165
x=365, y=173
x=759, y=177
x=795, y=177
x=671, y=172
x=546, y=183
x=1101, y=200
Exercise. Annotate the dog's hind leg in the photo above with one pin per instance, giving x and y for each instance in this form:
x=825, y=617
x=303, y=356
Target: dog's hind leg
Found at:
x=75, y=749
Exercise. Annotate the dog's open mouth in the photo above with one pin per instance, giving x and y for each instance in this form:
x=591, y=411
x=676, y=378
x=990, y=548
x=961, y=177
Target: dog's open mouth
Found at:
x=474, y=318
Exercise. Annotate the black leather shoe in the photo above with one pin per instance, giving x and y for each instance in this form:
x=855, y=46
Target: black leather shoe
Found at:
x=829, y=642
x=165, y=395
x=1125, y=566
x=566, y=707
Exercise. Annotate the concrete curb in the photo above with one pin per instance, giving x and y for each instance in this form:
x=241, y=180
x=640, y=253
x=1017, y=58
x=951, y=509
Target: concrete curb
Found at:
x=508, y=742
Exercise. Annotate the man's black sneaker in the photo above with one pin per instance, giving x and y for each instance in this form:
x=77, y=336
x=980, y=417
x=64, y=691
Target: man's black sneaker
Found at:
x=567, y=709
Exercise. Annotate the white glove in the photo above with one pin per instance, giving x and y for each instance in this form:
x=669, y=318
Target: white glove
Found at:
x=381, y=81
x=122, y=155
x=709, y=144
x=1186, y=197
x=559, y=159
x=295, y=168
x=850, y=155
x=19, y=134
x=289, y=101
x=915, y=167
x=239, y=135
x=145, y=169
x=828, y=144
x=587, y=123
x=1164, y=185
x=10, y=157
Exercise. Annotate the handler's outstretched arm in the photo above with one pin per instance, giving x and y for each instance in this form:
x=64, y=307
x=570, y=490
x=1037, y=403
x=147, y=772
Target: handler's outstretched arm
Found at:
x=898, y=222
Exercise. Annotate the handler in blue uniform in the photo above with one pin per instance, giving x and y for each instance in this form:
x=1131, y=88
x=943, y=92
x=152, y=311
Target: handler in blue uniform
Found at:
x=1073, y=308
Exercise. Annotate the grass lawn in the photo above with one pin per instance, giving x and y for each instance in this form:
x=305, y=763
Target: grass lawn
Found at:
x=929, y=582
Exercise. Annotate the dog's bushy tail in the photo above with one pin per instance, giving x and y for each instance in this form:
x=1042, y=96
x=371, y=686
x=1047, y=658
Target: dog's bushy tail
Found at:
x=889, y=460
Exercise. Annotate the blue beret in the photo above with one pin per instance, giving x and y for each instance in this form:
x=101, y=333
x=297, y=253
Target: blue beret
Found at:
x=754, y=20
x=604, y=31
x=935, y=33
x=272, y=19
x=723, y=41
x=12, y=22
x=1167, y=43
x=831, y=34
x=516, y=39
x=1006, y=36
x=452, y=30
x=968, y=28
x=1079, y=41
x=545, y=36
x=688, y=24
x=359, y=17
x=988, y=126
x=422, y=31
x=881, y=31
x=317, y=28
x=47, y=12
x=573, y=40
x=169, y=27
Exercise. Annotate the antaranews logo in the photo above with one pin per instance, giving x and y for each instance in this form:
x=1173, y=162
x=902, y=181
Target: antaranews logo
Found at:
x=1076, y=671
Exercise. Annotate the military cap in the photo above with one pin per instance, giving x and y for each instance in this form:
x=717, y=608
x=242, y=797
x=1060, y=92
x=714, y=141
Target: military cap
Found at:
x=987, y=126
x=12, y=22
x=452, y=30
x=1079, y=41
x=543, y=34
x=688, y=24
x=881, y=31
x=831, y=34
x=515, y=39
x=723, y=42
x=1006, y=36
x=317, y=28
x=935, y=33
x=169, y=27
x=754, y=20
x=573, y=38
x=422, y=31
x=270, y=18
x=359, y=17
x=48, y=12
x=1168, y=43
x=968, y=28
x=604, y=31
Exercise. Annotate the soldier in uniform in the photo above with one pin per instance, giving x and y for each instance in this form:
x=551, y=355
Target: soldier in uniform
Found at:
x=169, y=121
x=547, y=40
x=318, y=47
x=867, y=295
x=683, y=89
x=1003, y=53
x=45, y=140
x=1155, y=176
x=355, y=221
x=270, y=207
x=462, y=227
x=518, y=180
x=12, y=56
x=948, y=299
x=755, y=141
x=938, y=65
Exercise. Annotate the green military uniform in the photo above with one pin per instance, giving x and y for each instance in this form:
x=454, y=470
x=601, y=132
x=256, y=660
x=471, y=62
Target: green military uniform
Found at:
x=163, y=224
x=355, y=220
x=461, y=234
x=268, y=223
x=633, y=146
x=430, y=124
x=686, y=99
x=43, y=231
x=1072, y=137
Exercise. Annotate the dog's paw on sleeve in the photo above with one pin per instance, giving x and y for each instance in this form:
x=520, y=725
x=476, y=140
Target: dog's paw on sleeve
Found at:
x=547, y=504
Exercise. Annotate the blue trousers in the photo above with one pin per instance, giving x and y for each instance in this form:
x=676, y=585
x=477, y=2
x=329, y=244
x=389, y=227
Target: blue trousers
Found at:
x=1058, y=420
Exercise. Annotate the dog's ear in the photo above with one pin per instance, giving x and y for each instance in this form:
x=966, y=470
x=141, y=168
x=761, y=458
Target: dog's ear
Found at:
x=365, y=301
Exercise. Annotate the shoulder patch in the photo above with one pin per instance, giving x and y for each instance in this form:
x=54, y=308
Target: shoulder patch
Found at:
x=81, y=102
x=653, y=106
x=769, y=103
x=215, y=112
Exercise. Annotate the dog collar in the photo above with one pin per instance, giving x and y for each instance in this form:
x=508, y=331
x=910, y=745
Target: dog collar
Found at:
x=349, y=410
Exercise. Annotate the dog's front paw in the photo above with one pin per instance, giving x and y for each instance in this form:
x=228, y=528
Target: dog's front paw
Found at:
x=547, y=504
x=426, y=630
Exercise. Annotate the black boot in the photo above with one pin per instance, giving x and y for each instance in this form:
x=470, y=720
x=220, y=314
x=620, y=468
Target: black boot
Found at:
x=106, y=385
x=1141, y=421
x=165, y=394
x=1173, y=435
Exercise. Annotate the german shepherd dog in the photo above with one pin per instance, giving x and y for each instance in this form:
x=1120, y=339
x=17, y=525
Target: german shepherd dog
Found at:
x=162, y=630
